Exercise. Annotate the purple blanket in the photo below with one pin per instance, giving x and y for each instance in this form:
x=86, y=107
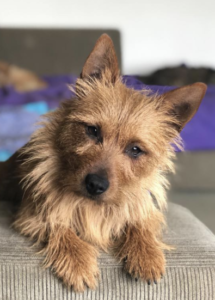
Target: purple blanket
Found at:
x=18, y=113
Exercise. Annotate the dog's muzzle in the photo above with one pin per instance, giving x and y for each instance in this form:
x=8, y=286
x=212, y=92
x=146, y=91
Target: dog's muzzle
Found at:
x=96, y=184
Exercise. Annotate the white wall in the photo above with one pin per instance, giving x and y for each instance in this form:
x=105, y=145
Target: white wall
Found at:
x=154, y=32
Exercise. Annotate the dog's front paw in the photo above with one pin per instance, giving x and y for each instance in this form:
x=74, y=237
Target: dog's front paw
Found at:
x=76, y=265
x=146, y=264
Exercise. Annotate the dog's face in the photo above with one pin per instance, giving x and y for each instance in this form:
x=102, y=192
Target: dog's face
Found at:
x=111, y=138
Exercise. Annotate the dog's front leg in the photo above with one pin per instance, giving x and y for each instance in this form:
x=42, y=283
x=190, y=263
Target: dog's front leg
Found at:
x=142, y=254
x=73, y=260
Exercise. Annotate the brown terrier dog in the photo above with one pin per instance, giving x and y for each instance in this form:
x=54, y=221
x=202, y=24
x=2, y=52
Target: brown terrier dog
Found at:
x=93, y=176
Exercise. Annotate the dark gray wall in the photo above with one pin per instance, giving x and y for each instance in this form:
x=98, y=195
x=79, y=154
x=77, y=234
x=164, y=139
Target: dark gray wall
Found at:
x=51, y=51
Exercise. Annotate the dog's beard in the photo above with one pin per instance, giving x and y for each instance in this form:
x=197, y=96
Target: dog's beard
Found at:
x=98, y=222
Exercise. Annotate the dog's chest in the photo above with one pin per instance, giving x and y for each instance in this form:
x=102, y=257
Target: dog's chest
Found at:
x=99, y=228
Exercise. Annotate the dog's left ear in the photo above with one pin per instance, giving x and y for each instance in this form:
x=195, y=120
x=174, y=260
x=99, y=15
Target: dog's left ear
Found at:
x=185, y=101
x=103, y=57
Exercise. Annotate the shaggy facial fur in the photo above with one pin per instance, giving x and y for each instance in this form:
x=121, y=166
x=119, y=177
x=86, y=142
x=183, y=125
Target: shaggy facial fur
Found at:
x=123, y=138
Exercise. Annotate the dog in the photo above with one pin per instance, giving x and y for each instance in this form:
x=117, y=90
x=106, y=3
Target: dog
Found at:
x=93, y=175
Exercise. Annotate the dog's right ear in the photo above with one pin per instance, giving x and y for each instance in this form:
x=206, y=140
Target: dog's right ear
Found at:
x=103, y=57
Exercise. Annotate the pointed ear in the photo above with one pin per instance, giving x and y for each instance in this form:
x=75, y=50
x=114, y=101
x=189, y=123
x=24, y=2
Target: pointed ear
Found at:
x=102, y=57
x=185, y=101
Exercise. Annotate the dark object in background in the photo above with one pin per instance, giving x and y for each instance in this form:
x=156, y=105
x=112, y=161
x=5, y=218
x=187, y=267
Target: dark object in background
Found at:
x=179, y=76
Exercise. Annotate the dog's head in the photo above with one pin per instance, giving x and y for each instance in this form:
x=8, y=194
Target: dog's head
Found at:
x=111, y=140
x=111, y=137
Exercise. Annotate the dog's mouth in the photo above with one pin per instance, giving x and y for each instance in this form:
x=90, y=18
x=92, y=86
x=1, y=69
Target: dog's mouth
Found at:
x=95, y=198
x=99, y=199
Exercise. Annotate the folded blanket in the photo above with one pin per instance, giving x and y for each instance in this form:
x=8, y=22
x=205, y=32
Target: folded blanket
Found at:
x=57, y=90
x=17, y=125
x=20, y=111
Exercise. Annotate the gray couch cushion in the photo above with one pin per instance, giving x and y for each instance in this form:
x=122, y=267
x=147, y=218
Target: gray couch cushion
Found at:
x=190, y=270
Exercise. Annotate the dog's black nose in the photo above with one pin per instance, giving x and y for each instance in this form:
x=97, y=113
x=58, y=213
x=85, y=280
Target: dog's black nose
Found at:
x=96, y=184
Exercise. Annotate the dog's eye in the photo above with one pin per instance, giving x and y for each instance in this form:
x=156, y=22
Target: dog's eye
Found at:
x=92, y=130
x=134, y=151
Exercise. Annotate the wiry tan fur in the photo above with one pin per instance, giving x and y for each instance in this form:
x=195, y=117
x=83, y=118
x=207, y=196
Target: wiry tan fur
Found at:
x=56, y=210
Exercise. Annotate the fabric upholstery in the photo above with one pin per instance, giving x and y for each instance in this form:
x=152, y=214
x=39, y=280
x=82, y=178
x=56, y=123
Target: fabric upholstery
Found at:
x=190, y=270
